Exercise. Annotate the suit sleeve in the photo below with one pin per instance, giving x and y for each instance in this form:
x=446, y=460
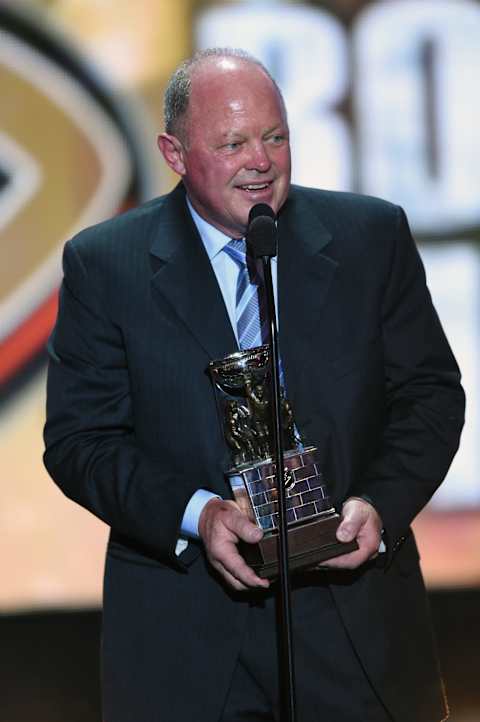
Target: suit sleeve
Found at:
x=425, y=401
x=91, y=449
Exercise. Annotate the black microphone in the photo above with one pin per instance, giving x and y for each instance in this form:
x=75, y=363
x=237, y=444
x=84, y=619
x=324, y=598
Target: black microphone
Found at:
x=262, y=231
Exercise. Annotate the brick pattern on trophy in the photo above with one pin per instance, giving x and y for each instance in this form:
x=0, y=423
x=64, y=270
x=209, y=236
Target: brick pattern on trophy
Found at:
x=306, y=491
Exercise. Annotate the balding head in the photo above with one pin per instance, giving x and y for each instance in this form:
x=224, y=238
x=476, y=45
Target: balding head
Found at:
x=179, y=87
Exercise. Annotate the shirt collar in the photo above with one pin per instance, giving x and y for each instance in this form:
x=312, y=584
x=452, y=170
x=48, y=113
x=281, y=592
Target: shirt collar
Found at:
x=213, y=239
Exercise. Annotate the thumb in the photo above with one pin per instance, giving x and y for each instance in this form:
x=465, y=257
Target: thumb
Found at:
x=349, y=526
x=247, y=531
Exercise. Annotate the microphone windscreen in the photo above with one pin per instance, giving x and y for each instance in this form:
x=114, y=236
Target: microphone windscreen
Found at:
x=262, y=231
x=260, y=209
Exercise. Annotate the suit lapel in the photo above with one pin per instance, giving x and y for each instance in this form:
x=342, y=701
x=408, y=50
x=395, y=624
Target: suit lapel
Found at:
x=305, y=274
x=184, y=277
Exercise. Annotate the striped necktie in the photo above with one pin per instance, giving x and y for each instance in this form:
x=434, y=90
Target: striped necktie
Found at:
x=252, y=325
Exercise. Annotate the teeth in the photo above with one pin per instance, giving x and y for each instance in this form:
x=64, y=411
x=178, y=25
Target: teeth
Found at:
x=255, y=187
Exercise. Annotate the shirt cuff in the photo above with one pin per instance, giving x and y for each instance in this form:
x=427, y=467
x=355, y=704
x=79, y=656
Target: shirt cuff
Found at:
x=189, y=526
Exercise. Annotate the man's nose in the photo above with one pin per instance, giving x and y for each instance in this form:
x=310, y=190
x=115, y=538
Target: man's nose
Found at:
x=259, y=158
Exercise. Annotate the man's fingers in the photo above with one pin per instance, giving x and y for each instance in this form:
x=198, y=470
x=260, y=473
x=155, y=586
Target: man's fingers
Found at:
x=354, y=516
x=359, y=518
x=222, y=525
x=245, y=529
x=347, y=532
x=362, y=522
x=225, y=552
x=229, y=578
x=235, y=567
x=232, y=566
x=219, y=517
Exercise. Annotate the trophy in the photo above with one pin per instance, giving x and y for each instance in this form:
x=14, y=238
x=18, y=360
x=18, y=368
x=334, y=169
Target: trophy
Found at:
x=242, y=387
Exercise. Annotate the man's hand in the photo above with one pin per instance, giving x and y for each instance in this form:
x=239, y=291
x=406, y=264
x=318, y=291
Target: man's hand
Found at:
x=221, y=526
x=362, y=522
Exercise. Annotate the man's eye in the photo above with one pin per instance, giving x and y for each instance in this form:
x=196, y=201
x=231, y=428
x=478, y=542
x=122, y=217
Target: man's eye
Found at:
x=277, y=139
x=234, y=145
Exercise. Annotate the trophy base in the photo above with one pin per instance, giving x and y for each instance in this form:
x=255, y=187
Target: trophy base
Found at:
x=310, y=543
x=312, y=522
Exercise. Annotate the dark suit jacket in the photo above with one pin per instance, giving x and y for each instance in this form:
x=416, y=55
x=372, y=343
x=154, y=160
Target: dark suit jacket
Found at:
x=133, y=431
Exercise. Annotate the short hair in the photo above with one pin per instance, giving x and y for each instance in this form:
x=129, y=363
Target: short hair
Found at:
x=178, y=90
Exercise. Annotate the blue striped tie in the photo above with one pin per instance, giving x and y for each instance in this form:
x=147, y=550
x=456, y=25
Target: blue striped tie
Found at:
x=252, y=325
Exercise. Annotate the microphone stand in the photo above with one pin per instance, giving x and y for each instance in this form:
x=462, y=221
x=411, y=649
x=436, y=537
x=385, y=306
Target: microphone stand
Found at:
x=286, y=638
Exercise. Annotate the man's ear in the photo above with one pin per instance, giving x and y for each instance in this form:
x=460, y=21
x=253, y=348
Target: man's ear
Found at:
x=172, y=150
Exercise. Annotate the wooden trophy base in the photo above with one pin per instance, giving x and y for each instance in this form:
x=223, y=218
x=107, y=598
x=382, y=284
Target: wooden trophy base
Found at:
x=309, y=543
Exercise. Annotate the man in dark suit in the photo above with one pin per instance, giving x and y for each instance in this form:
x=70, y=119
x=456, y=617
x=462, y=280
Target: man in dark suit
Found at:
x=133, y=433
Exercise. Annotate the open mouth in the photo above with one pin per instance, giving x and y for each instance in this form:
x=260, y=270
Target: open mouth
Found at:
x=255, y=187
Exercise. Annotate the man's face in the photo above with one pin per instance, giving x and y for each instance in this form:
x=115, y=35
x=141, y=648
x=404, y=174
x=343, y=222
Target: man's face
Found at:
x=237, y=149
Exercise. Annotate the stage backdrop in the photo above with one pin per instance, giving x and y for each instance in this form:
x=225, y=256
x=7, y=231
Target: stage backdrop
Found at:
x=383, y=99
